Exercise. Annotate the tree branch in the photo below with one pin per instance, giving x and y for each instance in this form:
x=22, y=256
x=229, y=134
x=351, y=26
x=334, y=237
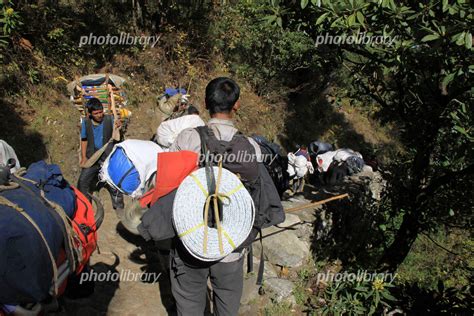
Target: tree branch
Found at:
x=446, y=179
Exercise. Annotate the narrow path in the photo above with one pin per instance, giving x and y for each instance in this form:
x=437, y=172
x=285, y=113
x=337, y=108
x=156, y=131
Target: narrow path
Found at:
x=129, y=295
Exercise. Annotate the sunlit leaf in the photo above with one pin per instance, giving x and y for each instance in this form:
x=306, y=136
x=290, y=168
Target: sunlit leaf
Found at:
x=430, y=37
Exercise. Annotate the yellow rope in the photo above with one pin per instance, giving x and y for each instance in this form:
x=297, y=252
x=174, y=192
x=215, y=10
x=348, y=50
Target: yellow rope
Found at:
x=206, y=213
x=10, y=186
x=216, y=196
x=199, y=184
x=216, y=209
x=239, y=187
x=191, y=230
x=229, y=239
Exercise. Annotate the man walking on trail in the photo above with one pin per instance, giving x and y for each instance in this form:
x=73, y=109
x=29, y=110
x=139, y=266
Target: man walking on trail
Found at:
x=96, y=131
x=189, y=276
x=299, y=164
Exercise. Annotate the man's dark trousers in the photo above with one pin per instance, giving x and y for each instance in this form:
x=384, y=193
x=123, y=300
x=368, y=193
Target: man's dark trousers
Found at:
x=89, y=176
x=189, y=286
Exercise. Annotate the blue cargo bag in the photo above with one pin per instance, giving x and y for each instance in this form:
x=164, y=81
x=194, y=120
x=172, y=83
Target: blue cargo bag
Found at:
x=26, y=270
x=50, y=179
x=122, y=172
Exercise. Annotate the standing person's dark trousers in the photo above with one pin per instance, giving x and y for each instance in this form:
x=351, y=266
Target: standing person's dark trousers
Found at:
x=89, y=176
x=189, y=286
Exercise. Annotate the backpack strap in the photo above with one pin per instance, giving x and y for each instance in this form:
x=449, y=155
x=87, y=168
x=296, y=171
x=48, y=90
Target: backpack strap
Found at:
x=107, y=129
x=90, y=150
x=204, y=135
x=261, y=266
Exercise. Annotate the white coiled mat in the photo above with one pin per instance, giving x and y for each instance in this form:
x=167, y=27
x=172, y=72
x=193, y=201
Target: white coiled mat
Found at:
x=188, y=219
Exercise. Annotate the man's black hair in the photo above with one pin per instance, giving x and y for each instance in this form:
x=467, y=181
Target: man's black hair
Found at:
x=94, y=104
x=221, y=95
x=193, y=110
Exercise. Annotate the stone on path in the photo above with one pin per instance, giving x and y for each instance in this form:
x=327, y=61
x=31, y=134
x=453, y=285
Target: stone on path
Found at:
x=282, y=247
x=282, y=289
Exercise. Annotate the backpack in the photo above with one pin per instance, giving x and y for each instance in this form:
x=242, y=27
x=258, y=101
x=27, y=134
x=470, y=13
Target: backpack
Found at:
x=36, y=238
x=255, y=178
x=276, y=164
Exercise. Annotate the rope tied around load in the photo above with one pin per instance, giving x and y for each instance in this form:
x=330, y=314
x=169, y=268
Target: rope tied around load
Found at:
x=214, y=197
x=192, y=217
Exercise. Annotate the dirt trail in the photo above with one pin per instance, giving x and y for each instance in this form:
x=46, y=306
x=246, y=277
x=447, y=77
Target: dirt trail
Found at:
x=128, y=295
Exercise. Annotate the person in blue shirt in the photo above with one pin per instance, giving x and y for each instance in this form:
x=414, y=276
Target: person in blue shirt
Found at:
x=96, y=131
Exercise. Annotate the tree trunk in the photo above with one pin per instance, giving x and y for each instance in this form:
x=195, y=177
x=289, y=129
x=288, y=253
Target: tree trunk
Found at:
x=400, y=247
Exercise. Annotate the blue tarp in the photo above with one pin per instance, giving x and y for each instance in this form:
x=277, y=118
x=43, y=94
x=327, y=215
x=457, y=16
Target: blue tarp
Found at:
x=122, y=172
x=173, y=91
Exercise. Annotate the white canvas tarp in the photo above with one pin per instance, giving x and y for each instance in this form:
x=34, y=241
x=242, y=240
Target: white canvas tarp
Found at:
x=167, y=132
x=142, y=154
x=7, y=152
x=325, y=160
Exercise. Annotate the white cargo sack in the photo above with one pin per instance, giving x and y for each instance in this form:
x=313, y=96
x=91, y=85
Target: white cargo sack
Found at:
x=7, y=152
x=344, y=153
x=167, y=131
x=340, y=155
x=325, y=160
x=130, y=164
x=298, y=165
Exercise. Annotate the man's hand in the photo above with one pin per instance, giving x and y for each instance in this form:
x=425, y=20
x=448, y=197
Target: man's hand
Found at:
x=83, y=161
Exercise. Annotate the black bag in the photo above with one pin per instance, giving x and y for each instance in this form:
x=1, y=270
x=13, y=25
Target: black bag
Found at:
x=253, y=175
x=276, y=164
x=335, y=173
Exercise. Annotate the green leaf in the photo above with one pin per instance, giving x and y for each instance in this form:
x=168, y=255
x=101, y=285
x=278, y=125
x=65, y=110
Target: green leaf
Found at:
x=451, y=212
x=377, y=298
x=447, y=80
x=460, y=40
x=335, y=22
x=321, y=18
x=360, y=18
x=372, y=310
x=468, y=40
x=445, y=5
x=388, y=296
x=279, y=22
x=270, y=19
x=461, y=130
x=351, y=20
x=304, y=3
x=430, y=37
